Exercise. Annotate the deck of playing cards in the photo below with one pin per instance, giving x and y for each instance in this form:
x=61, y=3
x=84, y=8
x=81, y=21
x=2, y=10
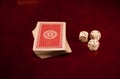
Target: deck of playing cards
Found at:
x=50, y=39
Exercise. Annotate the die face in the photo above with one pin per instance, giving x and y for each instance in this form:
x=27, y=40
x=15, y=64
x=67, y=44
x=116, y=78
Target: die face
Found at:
x=83, y=36
x=83, y=39
x=83, y=33
x=95, y=34
x=93, y=44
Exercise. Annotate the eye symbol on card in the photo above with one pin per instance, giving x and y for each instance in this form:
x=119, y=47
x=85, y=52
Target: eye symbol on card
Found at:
x=50, y=34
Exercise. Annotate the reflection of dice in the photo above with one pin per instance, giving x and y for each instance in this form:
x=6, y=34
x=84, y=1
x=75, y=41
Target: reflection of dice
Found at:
x=95, y=34
x=93, y=44
x=83, y=36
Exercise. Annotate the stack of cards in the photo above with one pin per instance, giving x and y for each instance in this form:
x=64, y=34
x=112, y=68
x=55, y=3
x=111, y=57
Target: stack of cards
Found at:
x=50, y=39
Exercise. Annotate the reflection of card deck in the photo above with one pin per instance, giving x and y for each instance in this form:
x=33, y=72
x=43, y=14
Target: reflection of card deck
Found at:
x=50, y=39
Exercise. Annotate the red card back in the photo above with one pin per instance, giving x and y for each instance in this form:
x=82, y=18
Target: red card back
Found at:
x=50, y=35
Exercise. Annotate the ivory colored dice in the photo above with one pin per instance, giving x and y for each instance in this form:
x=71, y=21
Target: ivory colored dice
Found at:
x=95, y=34
x=93, y=45
x=83, y=36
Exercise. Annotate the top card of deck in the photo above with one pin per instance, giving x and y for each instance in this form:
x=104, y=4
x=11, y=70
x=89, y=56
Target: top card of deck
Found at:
x=51, y=35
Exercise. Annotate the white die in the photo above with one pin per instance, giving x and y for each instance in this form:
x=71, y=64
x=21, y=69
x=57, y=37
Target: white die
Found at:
x=83, y=36
x=93, y=44
x=95, y=34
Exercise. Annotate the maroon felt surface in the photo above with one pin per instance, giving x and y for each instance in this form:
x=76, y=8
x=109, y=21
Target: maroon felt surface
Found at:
x=17, y=20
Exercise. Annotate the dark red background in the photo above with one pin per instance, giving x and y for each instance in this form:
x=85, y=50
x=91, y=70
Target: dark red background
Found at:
x=18, y=61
